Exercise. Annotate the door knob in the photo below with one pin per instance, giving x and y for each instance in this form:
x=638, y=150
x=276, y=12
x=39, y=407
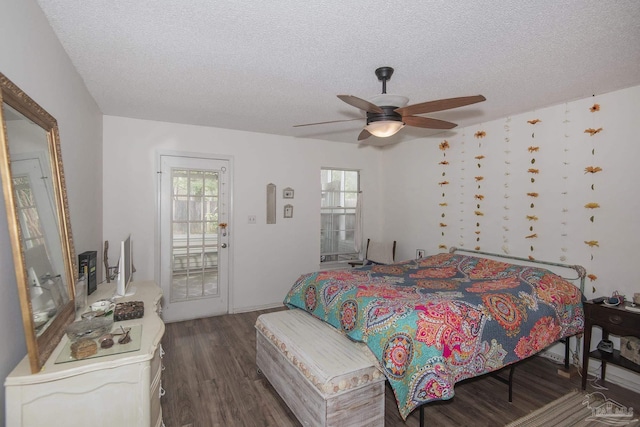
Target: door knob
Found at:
x=224, y=245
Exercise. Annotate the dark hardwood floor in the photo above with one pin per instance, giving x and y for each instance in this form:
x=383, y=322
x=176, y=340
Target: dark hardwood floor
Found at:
x=211, y=380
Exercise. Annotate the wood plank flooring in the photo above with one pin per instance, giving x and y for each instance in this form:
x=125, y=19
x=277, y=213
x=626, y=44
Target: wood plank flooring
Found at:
x=211, y=380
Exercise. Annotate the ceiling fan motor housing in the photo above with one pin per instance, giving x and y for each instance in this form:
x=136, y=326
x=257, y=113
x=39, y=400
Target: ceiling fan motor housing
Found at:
x=389, y=114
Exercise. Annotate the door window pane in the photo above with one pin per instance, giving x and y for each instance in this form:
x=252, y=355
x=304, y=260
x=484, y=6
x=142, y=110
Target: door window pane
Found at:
x=194, y=234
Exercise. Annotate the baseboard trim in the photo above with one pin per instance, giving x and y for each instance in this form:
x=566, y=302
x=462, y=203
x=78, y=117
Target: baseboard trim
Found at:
x=615, y=375
x=622, y=377
x=239, y=310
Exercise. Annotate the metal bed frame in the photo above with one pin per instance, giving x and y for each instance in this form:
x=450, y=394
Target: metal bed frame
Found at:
x=582, y=274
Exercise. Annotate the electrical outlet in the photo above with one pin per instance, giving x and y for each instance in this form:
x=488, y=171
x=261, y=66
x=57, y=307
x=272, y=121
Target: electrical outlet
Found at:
x=251, y=219
x=420, y=253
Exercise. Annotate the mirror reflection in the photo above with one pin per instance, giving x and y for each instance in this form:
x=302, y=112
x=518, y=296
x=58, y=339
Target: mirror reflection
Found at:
x=38, y=220
x=36, y=212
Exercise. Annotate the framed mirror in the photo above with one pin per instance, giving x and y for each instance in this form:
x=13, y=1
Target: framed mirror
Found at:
x=38, y=218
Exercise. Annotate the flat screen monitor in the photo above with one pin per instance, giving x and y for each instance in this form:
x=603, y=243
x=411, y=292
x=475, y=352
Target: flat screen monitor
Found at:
x=125, y=270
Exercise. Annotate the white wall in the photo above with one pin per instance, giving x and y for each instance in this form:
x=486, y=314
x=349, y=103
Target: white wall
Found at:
x=266, y=258
x=414, y=191
x=404, y=205
x=33, y=59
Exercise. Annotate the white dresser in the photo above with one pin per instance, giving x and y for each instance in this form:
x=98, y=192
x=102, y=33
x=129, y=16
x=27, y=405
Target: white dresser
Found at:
x=117, y=390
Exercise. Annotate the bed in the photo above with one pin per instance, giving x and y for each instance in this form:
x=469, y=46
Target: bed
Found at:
x=436, y=321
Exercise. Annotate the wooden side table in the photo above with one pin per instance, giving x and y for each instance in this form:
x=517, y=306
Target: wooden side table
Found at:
x=612, y=319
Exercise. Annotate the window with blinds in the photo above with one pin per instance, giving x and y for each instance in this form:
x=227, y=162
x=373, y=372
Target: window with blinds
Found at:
x=30, y=224
x=338, y=215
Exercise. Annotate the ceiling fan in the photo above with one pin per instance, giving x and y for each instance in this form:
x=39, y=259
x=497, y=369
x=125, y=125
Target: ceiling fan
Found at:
x=387, y=114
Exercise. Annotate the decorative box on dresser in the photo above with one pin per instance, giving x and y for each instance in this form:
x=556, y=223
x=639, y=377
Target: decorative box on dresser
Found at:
x=118, y=390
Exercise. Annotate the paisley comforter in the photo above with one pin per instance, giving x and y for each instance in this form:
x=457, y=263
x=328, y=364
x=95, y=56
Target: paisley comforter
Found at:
x=437, y=321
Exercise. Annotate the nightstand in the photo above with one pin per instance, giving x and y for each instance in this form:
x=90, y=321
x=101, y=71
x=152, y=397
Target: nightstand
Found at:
x=612, y=319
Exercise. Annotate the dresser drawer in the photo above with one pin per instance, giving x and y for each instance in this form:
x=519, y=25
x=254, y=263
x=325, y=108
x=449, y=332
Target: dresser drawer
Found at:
x=156, y=387
x=156, y=409
x=156, y=362
x=615, y=320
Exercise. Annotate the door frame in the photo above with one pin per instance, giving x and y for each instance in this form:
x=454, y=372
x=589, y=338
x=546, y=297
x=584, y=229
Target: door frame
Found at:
x=157, y=225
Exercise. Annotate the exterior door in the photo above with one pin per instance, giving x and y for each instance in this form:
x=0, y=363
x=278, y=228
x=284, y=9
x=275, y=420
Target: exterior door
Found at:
x=194, y=236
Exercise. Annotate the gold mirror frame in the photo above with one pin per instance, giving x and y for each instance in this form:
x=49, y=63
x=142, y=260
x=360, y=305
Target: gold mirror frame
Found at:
x=40, y=345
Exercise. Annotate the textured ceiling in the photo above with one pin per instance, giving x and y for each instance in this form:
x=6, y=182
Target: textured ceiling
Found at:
x=264, y=66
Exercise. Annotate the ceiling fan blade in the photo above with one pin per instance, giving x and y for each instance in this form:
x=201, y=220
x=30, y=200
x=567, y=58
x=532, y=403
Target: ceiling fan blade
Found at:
x=426, y=122
x=361, y=104
x=332, y=121
x=364, y=135
x=439, y=105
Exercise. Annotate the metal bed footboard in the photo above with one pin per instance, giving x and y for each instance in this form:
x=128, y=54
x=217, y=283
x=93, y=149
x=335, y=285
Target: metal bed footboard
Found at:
x=582, y=274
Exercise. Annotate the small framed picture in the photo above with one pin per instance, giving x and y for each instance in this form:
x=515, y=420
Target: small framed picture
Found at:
x=287, y=193
x=288, y=211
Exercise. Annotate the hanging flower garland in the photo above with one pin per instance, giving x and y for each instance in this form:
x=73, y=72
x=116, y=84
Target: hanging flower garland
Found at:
x=478, y=196
x=565, y=192
x=532, y=195
x=507, y=195
x=591, y=170
x=444, y=163
x=462, y=190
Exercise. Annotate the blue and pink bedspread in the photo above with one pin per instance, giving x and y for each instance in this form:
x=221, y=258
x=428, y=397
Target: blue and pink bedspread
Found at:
x=437, y=321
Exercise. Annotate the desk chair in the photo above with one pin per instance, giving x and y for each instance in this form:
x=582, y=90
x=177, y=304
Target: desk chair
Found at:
x=377, y=253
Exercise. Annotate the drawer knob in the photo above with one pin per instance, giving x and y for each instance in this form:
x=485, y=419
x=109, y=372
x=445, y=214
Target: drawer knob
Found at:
x=615, y=319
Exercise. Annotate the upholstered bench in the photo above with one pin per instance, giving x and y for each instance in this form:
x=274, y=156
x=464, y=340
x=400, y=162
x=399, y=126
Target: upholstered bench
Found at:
x=325, y=378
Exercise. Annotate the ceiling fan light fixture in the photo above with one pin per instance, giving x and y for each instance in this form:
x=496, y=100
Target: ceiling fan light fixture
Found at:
x=384, y=128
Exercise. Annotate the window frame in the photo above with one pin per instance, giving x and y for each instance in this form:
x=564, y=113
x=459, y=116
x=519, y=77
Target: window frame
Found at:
x=336, y=211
